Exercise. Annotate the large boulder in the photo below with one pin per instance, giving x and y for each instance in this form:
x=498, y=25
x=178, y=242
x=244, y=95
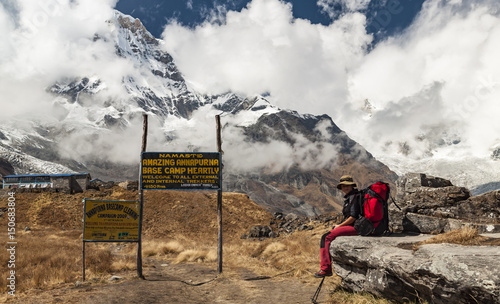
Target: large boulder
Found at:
x=437, y=273
x=433, y=205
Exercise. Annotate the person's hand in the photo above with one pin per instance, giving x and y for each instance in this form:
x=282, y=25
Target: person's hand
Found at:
x=334, y=226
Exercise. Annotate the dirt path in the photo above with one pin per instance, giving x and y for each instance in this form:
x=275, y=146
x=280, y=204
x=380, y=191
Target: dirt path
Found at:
x=176, y=283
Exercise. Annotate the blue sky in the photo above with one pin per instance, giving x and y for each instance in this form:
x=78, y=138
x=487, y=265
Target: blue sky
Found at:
x=384, y=18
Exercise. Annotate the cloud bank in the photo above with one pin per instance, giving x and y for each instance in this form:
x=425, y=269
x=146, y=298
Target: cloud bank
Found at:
x=264, y=49
x=47, y=41
x=441, y=75
x=432, y=88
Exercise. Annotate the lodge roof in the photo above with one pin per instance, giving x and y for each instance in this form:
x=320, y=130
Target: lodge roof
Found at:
x=49, y=175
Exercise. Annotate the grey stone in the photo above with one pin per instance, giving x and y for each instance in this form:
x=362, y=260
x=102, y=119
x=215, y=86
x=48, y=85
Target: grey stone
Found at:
x=433, y=205
x=437, y=273
x=258, y=231
x=278, y=215
x=303, y=227
x=423, y=224
x=129, y=185
x=291, y=217
x=115, y=278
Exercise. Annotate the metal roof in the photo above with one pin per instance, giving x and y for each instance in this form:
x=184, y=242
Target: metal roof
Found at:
x=50, y=175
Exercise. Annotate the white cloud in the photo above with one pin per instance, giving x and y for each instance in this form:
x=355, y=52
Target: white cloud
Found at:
x=264, y=49
x=43, y=42
x=450, y=43
x=240, y=155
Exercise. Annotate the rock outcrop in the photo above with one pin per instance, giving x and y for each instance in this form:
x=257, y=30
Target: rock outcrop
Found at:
x=437, y=273
x=433, y=205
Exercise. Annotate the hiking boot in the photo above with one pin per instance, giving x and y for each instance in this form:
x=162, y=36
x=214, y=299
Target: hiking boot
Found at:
x=322, y=274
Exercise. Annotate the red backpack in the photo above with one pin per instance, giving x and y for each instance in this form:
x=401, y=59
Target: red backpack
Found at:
x=374, y=206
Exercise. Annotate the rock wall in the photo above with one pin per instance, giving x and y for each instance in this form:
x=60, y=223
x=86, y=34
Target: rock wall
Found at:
x=437, y=273
x=433, y=205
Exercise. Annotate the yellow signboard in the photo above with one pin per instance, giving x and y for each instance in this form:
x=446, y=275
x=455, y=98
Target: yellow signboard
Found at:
x=180, y=170
x=111, y=221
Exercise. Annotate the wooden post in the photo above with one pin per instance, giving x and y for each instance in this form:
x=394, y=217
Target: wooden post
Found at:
x=141, y=196
x=83, y=258
x=219, y=200
x=83, y=245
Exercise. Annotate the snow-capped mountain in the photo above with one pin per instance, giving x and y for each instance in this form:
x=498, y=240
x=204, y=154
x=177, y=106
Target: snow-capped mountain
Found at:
x=284, y=160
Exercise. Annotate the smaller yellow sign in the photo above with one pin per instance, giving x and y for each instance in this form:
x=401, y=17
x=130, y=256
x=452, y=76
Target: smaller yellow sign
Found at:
x=111, y=221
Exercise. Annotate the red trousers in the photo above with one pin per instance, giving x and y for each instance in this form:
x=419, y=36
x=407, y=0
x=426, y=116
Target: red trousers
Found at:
x=327, y=238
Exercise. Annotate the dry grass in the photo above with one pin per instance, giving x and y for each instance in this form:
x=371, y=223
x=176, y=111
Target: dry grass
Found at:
x=196, y=255
x=124, y=263
x=98, y=260
x=340, y=296
x=345, y=297
x=273, y=249
x=466, y=236
x=42, y=261
x=160, y=248
x=298, y=255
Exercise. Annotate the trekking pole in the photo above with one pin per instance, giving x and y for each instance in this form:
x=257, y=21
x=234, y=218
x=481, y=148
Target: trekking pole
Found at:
x=316, y=294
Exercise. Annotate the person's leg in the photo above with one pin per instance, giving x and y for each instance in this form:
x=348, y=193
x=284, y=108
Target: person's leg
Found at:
x=326, y=239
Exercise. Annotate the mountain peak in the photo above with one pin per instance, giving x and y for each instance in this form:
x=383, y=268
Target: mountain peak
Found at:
x=136, y=27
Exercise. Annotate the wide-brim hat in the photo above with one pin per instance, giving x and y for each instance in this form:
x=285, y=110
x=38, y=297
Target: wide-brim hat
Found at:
x=346, y=180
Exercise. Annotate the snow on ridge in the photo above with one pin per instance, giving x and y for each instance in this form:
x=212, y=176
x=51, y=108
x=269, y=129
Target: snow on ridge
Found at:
x=27, y=164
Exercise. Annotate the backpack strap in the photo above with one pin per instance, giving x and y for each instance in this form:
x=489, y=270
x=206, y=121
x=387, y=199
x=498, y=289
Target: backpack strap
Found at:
x=361, y=201
x=375, y=195
x=395, y=203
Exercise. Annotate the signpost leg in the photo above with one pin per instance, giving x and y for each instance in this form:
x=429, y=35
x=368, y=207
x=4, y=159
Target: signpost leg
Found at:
x=83, y=260
x=219, y=201
x=141, y=196
x=83, y=242
x=219, y=243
